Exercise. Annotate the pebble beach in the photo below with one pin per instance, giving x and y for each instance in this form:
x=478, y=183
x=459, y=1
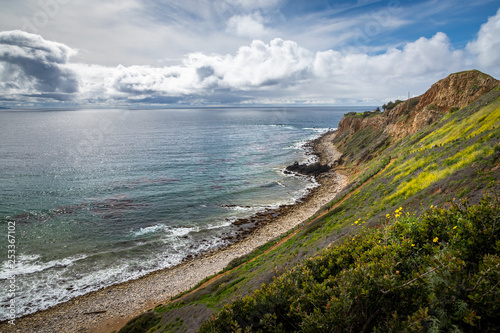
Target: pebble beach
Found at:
x=108, y=309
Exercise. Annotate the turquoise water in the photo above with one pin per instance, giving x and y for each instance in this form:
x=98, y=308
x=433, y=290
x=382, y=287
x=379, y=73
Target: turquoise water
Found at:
x=99, y=197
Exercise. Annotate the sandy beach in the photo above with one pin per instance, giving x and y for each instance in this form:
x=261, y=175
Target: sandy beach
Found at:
x=110, y=308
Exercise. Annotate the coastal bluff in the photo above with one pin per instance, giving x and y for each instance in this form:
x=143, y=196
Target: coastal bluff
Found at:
x=425, y=152
x=402, y=217
x=361, y=136
x=407, y=245
x=447, y=95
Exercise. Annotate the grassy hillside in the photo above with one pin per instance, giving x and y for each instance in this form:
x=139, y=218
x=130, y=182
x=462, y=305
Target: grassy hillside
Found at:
x=381, y=257
x=439, y=272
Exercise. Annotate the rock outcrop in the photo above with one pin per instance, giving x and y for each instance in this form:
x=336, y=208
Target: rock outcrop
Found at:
x=314, y=169
x=452, y=93
x=457, y=90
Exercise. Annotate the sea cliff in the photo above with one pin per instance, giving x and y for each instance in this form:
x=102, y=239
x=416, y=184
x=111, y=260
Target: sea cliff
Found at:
x=409, y=203
x=415, y=170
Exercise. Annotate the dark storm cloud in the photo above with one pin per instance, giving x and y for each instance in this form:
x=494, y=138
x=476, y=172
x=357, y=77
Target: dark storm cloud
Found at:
x=53, y=96
x=31, y=63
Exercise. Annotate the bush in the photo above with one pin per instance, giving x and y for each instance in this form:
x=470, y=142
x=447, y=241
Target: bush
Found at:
x=142, y=323
x=431, y=107
x=414, y=102
x=391, y=105
x=439, y=272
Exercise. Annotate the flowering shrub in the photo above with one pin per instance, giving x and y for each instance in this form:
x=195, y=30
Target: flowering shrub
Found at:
x=439, y=272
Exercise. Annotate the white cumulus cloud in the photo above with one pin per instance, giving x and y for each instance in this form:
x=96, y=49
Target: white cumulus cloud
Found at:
x=260, y=65
x=417, y=58
x=280, y=70
x=487, y=45
x=33, y=65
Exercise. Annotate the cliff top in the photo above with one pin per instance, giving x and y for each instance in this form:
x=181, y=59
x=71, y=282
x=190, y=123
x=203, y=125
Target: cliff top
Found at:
x=408, y=117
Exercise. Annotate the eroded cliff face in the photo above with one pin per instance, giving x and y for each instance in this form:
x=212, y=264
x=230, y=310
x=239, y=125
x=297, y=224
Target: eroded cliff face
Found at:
x=457, y=90
x=454, y=92
x=352, y=124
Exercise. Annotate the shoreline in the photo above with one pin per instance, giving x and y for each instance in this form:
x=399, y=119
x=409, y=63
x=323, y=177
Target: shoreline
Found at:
x=112, y=307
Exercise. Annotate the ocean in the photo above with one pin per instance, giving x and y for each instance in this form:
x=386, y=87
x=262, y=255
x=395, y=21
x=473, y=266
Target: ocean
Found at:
x=97, y=197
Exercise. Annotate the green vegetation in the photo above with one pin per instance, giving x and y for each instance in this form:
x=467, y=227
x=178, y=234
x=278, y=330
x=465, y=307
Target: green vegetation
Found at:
x=365, y=114
x=363, y=263
x=391, y=105
x=438, y=272
x=459, y=128
x=141, y=323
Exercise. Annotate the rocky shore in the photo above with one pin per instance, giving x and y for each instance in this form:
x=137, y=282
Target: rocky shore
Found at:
x=110, y=308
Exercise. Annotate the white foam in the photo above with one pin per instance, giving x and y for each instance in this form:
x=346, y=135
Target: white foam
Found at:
x=162, y=228
x=311, y=159
x=283, y=126
x=31, y=264
x=28, y=257
x=182, y=231
x=52, y=286
x=319, y=130
x=148, y=230
x=253, y=209
x=245, y=209
x=297, y=145
x=219, y=226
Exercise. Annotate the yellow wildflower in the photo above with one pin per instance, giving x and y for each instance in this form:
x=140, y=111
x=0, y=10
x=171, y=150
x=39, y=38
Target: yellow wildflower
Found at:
x=454, y=227
x=412, y=244
x=435, y=240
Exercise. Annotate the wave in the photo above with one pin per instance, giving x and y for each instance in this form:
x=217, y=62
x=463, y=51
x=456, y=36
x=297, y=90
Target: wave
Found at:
x=320, y=130
x=162, y=228
x=248, y=209
x=303, y=144
x=59, y=280
x=283, y=126
x=48, y=287
x=30, y=264
x=149, y=230
x=218, y=225
x=299, y=145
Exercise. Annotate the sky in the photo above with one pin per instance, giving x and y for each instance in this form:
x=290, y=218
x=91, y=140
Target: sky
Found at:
x=118, y=53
